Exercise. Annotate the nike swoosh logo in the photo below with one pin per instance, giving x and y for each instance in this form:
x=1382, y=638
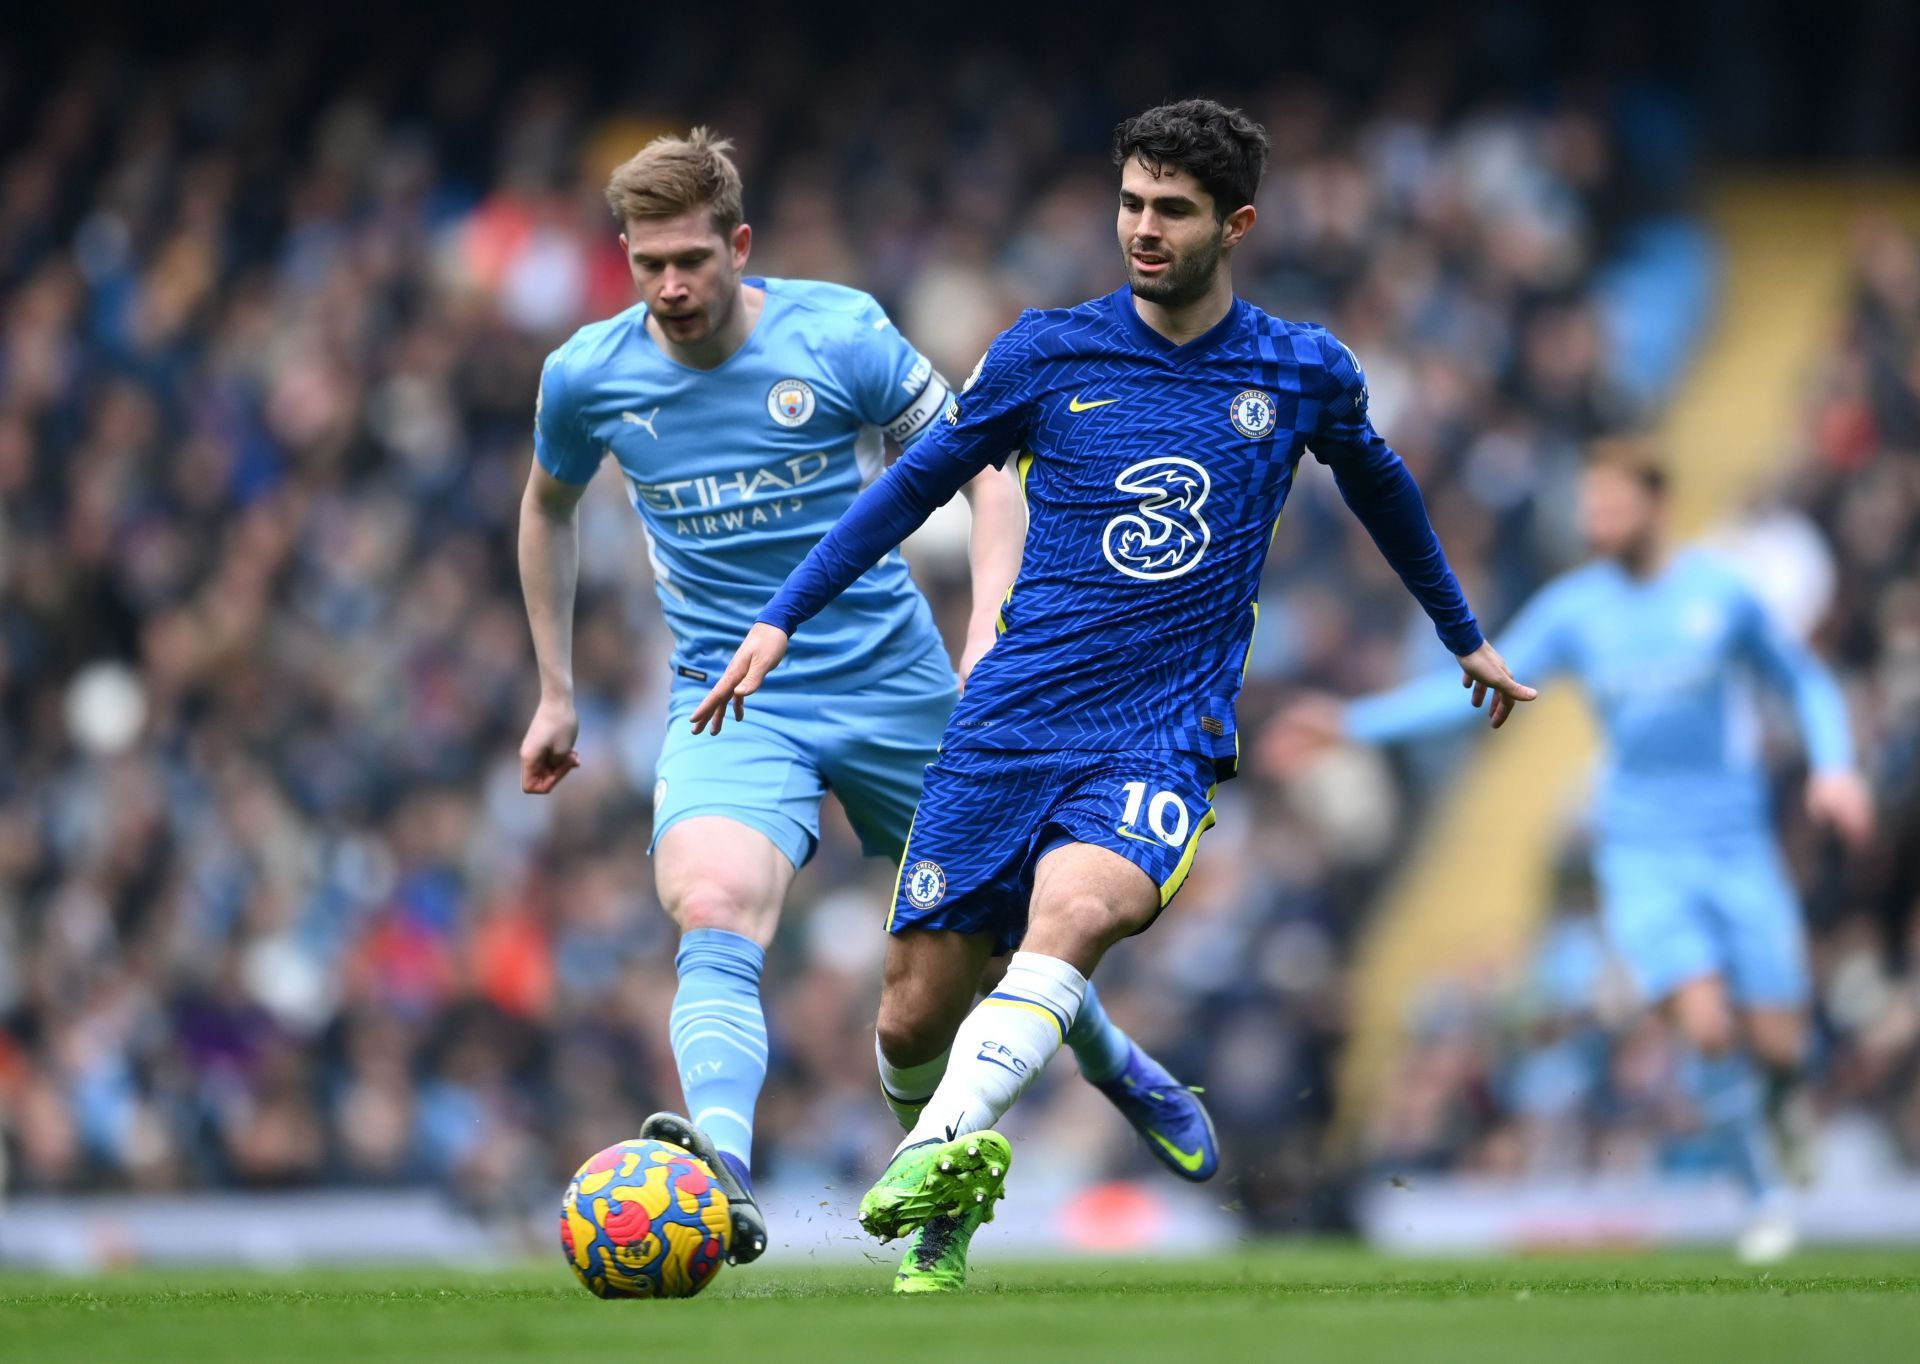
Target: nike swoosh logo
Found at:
x=1075, y=405
x=1186, y=1160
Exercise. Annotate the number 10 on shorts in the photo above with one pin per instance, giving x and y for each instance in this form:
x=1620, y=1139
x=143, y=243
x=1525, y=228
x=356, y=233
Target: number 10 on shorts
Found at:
x=1166, y=813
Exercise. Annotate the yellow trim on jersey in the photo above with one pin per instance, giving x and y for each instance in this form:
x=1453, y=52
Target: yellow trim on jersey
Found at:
x=1171, y=886
x=1023, y=464
x=1045, y=1013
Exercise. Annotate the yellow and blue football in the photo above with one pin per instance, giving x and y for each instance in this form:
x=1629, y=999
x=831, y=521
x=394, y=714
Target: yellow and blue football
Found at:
x=643, y=1219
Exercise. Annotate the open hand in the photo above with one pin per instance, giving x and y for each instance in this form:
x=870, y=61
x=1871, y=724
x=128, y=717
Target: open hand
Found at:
x=759, y=654
x=1486, y=672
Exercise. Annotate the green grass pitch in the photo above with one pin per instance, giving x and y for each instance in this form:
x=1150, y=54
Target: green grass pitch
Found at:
x=1297, y=1305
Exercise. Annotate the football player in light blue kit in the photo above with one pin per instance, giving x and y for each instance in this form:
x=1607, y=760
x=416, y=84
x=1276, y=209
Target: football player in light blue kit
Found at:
x=745, y=415
x=1696, y=902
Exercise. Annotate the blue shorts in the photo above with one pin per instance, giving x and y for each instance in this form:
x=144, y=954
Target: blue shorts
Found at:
x=987, y=817
x=770, y=770
x=1725, y=908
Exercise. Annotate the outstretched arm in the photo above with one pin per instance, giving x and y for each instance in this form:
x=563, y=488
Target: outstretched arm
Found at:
x=980, y=427
x=1426, y=705
x=881, y=517
x=1431, y=704
x=1376, y=485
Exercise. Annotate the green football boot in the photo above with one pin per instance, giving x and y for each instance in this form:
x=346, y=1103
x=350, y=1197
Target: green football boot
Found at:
x=936, y=1179
x=936, y=1258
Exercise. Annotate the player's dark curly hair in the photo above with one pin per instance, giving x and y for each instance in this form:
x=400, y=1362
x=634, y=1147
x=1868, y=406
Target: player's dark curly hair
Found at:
x=1220, y=147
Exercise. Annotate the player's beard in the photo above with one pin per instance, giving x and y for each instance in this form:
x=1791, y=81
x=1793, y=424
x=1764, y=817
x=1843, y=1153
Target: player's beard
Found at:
x=1188, y=277
x=1640, y=551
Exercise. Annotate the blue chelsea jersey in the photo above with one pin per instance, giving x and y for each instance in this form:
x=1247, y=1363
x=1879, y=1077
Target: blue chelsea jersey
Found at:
x=1154, y=474
x=737, y=471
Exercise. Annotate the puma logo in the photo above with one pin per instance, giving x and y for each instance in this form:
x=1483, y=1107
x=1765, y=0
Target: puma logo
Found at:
x=644, y=423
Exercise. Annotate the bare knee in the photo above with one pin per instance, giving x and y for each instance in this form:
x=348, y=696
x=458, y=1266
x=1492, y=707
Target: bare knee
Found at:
x=1701, y=1011
x=911, y=1036
x=709, y=904
x=715, y=873
x=1081, y=926
x=1085, y=899
x=929, y=988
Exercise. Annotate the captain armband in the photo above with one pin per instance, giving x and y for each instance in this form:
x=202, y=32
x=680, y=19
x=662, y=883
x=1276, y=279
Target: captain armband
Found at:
x=920, y=412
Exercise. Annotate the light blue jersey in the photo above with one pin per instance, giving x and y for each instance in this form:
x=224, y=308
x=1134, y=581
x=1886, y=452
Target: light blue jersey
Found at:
x=1668, y=664
x=737, y=471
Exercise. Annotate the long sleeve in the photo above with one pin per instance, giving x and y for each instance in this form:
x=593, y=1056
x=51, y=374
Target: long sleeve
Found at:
x=1533, y=645
x=982, y=426
x=1816, y=696
x=895, y=506
x=1376, y=485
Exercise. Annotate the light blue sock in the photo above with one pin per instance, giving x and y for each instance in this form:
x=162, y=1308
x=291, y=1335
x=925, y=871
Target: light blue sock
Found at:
x=1727, y=1091
x=719, y=1035
x=1098, y=1044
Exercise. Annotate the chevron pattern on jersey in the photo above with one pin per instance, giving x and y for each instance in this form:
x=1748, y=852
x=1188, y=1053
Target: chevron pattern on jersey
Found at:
x=1157, y=473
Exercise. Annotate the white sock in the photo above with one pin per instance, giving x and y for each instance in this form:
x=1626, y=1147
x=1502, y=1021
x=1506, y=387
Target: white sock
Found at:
x=1001, y=1047
x=907, y=1088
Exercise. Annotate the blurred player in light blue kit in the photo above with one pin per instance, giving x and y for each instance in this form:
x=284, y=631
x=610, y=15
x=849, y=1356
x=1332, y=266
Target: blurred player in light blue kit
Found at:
x=745, y=415
x=1666, y=643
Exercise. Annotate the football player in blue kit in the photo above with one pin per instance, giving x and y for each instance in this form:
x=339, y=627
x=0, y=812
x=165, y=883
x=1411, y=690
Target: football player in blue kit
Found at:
x=744, y=415
x=1666, y=644
x=1156, y=432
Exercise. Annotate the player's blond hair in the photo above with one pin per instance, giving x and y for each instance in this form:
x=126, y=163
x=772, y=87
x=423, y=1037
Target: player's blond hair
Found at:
x=674, y=175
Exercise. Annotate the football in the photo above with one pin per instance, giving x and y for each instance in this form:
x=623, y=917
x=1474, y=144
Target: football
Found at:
x=643, y=1219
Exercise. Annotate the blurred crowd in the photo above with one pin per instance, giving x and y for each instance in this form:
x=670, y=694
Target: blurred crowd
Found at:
x=1559, y=1072
x=273, y=909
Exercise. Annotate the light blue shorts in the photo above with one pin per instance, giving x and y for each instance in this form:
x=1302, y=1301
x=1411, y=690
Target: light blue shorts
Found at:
x=871, y=746
x=1726, y=908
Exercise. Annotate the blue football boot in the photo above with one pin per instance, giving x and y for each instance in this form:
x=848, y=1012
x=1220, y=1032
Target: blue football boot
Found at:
x=1168, y=1116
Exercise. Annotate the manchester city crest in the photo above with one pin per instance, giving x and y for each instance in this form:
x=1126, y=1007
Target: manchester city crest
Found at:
x=926, y=884
x=790, y=402
x=1252, y=412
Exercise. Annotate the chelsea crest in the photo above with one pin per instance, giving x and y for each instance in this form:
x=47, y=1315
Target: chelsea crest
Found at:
x=1252, y=412
x=925, y=884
